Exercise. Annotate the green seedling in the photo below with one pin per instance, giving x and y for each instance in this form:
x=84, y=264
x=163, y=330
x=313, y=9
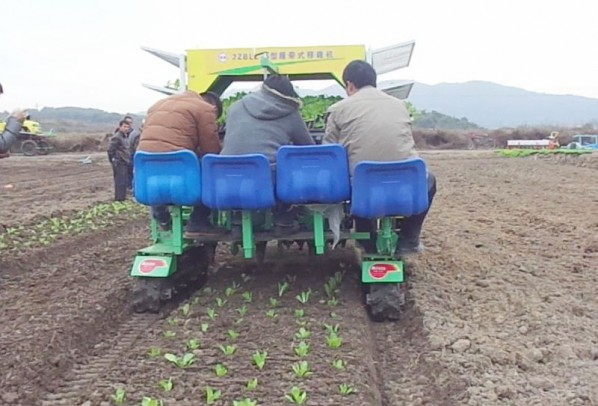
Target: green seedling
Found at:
x=246, y=278
x=299, y=313
x=185, y=310
x=228, y=350
x=166, y=384
x=245, y=402
x=297, y=396
x=182, y=362
x=195, y=300
x=345, y=389
x=233, y=334
x=282, y=288
x=212, y=395
x=193, y=344
x=259, y=359
x=242, y=310
x=208, y=290
x=120, y=396
x=334, y=315
x=147, y=401
x=331, y=329
x=272, y=314
x=301, y=369
x=329, y=290
x=229, y=291
x=252, y=384
x=212, y=313
x=204, y=327
x=172, y=322
x=221, y=370
x=334, y=341
x=169, y=334
x=333, y=302
x=291, y=278
x=248, y=297
x=220, y=302
x=154, y=352
x=303, y=297
x=303, y=334
x=302, y=349
x=339, y=364
x=274, y=302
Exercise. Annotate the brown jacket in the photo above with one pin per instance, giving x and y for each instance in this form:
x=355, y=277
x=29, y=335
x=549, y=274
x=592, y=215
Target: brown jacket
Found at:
x=181, y=121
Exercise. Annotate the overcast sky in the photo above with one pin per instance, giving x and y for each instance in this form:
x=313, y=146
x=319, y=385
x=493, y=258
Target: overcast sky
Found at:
x=85, y=53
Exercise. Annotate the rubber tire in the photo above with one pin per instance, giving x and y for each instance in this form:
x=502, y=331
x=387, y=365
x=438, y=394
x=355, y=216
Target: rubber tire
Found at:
x=385, y=301
x=43, y=148
x=29, y=148
x=146, y=295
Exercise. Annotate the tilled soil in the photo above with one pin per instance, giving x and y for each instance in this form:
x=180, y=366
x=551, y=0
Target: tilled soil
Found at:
x=502, y=308
x=34, y=187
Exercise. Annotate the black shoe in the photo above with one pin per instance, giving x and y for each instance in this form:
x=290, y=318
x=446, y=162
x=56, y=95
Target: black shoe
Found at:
x=410, y=249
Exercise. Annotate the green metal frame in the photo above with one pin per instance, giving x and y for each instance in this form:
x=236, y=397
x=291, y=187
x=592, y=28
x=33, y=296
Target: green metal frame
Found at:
x=159, y=259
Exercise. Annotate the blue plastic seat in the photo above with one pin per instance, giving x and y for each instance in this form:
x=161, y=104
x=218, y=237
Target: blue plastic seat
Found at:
x=167, y=178
x=237, y=182
x=383, y=189
x=312, y=174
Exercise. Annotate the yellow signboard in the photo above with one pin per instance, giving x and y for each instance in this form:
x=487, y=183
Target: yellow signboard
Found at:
x=215, y=69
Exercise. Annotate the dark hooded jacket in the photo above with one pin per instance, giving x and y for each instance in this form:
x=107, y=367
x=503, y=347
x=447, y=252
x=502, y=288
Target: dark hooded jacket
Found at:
x=262, y=122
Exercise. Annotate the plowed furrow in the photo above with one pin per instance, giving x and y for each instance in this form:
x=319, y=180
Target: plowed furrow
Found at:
x=79, y=381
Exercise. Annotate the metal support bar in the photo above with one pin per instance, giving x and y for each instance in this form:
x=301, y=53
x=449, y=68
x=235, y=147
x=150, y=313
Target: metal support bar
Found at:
x=177, y=229
x=247, y=228
x=387, y=239
x=319, y=232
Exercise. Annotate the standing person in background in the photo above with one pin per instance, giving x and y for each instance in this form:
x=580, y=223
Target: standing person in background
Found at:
x=133, y=142
x=11, y=130
x=120, y=158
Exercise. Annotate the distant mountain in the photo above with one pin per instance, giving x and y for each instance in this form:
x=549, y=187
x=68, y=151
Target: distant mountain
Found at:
x=448, y=105
x=494, y=106
x=491, y=105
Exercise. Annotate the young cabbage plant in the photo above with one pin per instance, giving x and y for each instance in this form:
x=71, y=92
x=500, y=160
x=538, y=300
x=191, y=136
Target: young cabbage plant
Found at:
x=297, y=396
x=212, y=395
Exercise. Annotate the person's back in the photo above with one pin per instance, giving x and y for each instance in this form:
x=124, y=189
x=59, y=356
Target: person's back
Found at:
x=184, y=121
x=181, y=121
x=373, y=126
x=265, y=120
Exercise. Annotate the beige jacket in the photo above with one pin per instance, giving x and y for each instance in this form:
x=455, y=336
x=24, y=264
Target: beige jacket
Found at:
x=372, y=126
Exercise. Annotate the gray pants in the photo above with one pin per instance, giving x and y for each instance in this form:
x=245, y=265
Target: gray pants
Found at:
x=121, y=180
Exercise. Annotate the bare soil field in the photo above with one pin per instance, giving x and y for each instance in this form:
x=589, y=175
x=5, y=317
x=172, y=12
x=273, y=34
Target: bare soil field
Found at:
x=502, y=306
x=35, y=187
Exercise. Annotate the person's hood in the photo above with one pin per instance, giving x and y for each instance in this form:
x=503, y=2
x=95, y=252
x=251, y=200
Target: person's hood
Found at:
x=269, y=104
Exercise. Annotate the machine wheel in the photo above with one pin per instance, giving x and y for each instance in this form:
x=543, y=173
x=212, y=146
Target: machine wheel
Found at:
x=146, y=295
x=29, y=148
x=191, y=274
x=385, y=301
x=43, y=148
